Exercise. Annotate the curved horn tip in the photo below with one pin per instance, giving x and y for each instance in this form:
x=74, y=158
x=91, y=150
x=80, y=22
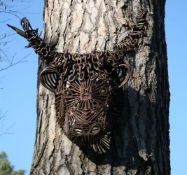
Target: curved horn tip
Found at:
x=18, y=31
x=12, y=27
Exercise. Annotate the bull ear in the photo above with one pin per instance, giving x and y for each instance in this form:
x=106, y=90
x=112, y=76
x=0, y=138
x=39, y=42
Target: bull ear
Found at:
x=123, y=72
x=49, y=78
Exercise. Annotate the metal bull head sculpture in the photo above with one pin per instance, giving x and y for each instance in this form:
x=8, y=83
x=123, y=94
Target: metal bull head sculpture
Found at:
x=83, y=84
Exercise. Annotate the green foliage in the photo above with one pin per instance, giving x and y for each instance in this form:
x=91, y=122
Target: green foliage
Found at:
x=6, y=168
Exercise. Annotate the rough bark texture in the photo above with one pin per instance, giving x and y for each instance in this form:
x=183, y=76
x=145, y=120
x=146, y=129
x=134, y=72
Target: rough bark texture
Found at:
x=140, y=144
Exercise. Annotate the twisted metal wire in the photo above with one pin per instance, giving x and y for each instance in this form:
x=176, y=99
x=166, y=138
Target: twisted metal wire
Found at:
x=83, y=83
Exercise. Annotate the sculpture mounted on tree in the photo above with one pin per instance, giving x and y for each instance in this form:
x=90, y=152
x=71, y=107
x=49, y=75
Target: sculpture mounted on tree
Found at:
x=84, y=83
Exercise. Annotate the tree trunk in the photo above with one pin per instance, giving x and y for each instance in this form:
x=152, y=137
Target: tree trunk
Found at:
x=140, y=132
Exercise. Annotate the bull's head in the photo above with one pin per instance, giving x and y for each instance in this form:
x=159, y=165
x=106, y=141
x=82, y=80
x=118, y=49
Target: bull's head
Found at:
x=83, y=92
x=83, y=85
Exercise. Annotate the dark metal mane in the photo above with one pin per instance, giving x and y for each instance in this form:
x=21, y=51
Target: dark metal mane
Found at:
x=83, y=84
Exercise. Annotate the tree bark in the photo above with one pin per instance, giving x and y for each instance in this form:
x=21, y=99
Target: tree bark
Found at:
x=140, y=138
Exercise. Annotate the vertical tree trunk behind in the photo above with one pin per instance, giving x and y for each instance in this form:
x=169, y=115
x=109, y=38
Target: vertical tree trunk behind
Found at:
x=140, y=145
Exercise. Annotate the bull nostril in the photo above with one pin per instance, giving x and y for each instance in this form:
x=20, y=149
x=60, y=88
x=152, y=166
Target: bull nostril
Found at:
x=78, y=131
x=95, y=130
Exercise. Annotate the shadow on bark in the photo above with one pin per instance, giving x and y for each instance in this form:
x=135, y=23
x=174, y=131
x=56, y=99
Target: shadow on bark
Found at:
x=124, y=146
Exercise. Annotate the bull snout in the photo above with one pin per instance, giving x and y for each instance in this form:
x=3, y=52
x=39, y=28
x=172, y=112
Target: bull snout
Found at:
x=91, y=131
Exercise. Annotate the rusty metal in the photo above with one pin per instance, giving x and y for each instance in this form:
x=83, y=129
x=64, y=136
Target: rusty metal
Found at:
x=83, y=84
x=85, y=93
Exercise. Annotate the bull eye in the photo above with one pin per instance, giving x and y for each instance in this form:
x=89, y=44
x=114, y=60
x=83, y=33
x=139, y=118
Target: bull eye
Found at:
x=95, y=130
x=68, y=92
x=103, y=91
x=78, y=131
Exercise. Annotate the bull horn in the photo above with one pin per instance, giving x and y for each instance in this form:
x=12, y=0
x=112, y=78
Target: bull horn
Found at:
x=18, y=31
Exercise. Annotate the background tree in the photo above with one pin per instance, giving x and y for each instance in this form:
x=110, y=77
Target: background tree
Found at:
x=6, y=168
x=7, y=9
x=2, y=34
x=140, y=140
